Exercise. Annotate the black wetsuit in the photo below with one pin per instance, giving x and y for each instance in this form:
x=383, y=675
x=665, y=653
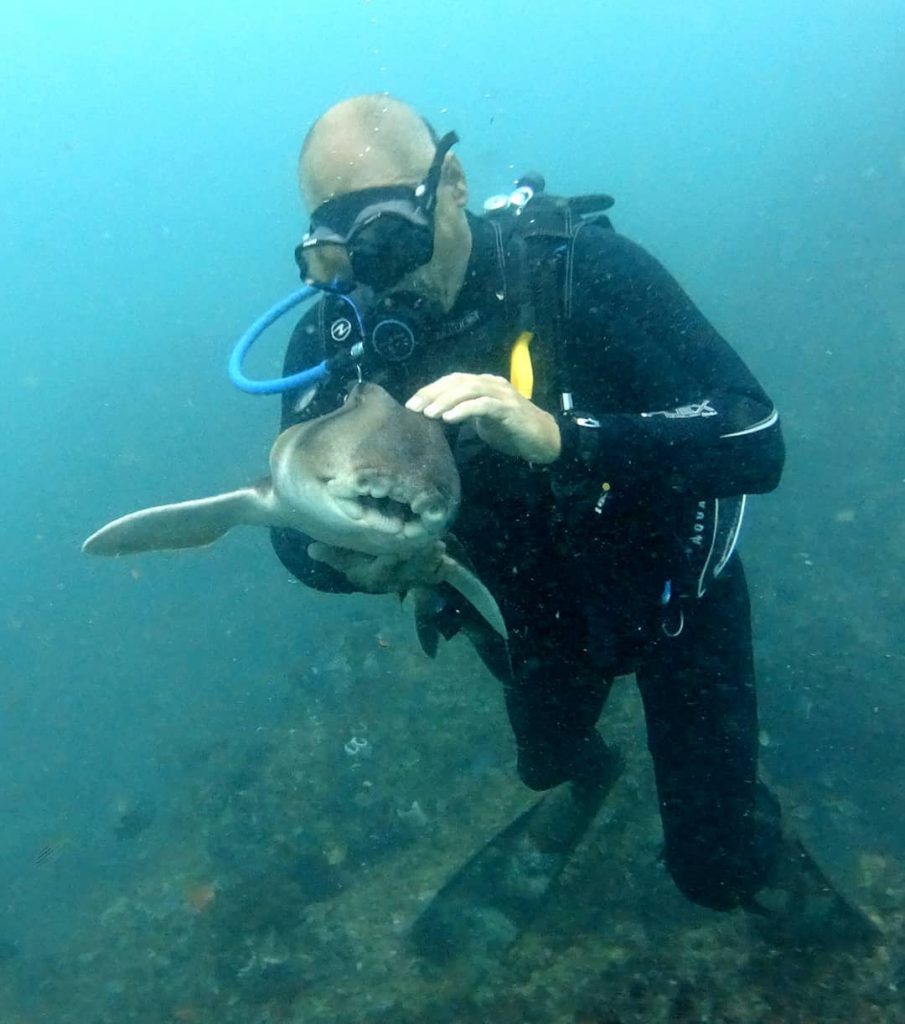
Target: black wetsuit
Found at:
x=593, y=588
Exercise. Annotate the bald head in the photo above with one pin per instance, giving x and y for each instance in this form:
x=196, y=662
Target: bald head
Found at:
x=363, y=142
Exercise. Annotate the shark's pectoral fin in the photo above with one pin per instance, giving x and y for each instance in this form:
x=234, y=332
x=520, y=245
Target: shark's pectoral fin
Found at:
x=474, y=591
x=425, y=606
x=188, y=524
x=433, y=620
x=490, y=644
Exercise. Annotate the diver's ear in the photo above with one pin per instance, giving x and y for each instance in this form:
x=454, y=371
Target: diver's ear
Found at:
x=454, y=178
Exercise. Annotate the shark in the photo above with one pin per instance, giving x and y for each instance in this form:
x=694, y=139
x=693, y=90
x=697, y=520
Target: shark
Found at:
x=370, y=477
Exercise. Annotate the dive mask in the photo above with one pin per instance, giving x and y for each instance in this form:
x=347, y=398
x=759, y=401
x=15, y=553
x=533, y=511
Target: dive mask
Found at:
x=374, y=236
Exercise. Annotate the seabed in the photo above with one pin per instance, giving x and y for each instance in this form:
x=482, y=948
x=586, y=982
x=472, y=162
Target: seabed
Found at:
x=300, y=859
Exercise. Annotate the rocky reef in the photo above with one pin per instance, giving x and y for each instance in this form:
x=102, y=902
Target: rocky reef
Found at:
x=304, y=853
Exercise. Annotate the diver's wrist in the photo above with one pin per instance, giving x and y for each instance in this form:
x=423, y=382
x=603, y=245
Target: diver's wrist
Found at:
x=580, y=440
x=551, y=443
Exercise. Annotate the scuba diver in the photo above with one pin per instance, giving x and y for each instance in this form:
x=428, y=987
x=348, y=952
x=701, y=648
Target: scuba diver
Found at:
x=606, y=436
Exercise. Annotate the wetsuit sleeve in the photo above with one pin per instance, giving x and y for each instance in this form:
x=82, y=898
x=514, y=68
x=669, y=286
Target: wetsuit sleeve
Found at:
x=291, y=546
x=674, y=405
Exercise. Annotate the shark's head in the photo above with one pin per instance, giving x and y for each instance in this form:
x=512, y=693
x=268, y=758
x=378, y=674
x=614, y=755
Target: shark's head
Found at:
x=372, y=476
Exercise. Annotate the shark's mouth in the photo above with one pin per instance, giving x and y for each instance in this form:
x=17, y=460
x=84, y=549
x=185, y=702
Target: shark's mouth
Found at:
x=373, y=501
x=388, y=508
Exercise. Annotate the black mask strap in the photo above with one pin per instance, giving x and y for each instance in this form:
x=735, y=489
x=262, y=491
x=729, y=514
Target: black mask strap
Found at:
x=426, y=192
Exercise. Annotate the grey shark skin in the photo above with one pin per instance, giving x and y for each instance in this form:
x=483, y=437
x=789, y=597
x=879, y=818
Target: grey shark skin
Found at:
x=371, y=477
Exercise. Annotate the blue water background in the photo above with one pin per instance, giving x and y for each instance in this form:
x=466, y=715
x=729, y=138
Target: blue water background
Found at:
x=148, y=211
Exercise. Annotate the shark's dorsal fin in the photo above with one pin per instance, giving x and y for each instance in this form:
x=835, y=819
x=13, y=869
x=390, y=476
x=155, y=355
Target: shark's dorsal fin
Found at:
x=187, y=524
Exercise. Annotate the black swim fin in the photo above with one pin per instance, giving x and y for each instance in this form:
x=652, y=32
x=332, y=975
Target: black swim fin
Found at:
x=495, y=895
x=801, y=909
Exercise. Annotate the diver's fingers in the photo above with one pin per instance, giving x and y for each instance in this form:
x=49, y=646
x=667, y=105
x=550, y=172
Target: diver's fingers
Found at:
x=430, y=392
x=436, y=398
x=484, y=407
x=426, y=567
x=375, y=574
x=341, y=559
x=336, y=558
x=318, y=552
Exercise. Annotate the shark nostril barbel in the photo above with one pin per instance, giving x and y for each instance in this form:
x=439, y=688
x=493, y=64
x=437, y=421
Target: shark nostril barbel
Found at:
x=350, y=507
x=372, y=482
x=380, y=488
x=341, y=488
x=427, y=503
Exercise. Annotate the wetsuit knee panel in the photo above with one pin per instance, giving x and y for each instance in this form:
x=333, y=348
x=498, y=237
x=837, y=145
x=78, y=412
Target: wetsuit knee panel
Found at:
x=722, y=868
x=545, y=765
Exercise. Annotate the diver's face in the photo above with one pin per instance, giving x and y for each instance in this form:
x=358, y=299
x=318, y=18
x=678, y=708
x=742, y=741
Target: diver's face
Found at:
x=440, y=279
x=326, y=264
x=377, y=233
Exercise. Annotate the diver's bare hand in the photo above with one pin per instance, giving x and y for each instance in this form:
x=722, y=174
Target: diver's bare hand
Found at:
x=503, y=419
x=382, y=574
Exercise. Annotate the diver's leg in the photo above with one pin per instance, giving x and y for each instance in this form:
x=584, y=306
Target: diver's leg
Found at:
x=725, y=846
x=553, y=705
x=722, y=828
